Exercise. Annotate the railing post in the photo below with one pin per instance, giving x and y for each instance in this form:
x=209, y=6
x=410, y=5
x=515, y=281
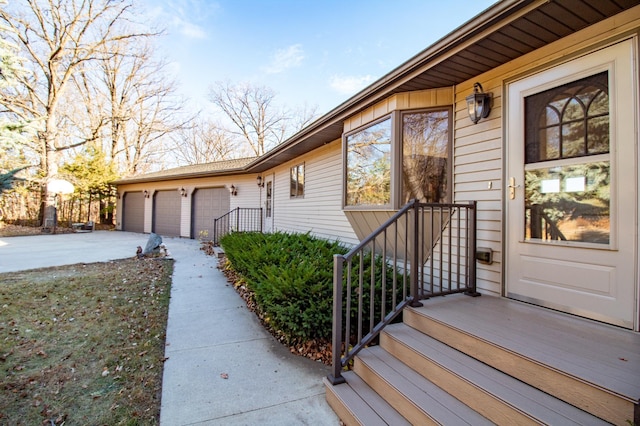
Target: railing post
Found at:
x=415, y=256
x=336, y=329
x=471, y=219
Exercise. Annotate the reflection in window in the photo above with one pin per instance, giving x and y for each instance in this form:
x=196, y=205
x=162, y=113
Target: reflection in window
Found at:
x=425, y=152
x=297, y=181
x=568, y=121
x=369, y=166
x=268, y=204
x=568, y=203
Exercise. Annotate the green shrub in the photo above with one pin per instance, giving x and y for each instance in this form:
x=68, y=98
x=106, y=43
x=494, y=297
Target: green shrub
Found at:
x=291, y=276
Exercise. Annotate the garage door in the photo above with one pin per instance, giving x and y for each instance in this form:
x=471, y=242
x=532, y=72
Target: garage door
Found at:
x=207, y=205
x=166, y=213
x=133, y=212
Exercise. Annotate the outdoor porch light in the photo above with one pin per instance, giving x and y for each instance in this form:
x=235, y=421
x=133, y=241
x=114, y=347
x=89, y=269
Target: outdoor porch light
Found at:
x=146, y=194
x=183, y=192
x=259, y=180
x=233, y=190
x=478, y=104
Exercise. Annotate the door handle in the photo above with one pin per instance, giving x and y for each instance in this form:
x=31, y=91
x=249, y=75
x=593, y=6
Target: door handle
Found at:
x=512, y=188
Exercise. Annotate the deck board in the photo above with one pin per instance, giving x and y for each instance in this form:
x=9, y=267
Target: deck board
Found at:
x=604, y=355
x=529, y=400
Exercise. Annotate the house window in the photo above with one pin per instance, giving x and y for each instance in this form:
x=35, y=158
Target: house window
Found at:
x=567, y=162
x=297, y=181
x=368, y=166
x=385, y=168
x=425, y=156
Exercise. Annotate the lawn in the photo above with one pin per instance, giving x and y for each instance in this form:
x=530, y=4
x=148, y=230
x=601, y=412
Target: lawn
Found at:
x=84, y=344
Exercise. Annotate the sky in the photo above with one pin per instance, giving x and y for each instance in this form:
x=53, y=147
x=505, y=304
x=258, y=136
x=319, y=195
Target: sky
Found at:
x=319, y=53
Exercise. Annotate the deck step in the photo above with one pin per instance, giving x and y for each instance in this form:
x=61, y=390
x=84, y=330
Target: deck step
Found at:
x=357, y=404
x=592, y=366
x=417, y=399
x=497, y=396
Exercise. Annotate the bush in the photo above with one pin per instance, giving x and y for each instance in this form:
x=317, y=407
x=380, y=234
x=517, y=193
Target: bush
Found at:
x=291, y=276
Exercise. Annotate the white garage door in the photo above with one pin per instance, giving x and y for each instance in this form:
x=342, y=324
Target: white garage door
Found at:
x=166, y=213
x=207, y=205
x=133, y=212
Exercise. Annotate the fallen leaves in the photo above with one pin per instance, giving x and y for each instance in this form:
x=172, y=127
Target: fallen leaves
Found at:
x=83, y=328
x=316, y=350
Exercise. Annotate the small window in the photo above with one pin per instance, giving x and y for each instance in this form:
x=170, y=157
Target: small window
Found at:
x=297, y=181
x=568, y=121
x=368, y=166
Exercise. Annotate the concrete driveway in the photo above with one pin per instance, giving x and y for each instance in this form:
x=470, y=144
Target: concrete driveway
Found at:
x=39, y=251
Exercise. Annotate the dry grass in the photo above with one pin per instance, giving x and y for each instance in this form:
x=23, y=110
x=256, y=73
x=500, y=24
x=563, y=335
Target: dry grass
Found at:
x=7, y=230
x=84, y=344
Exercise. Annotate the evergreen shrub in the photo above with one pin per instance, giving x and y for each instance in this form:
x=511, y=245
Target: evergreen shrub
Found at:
x=291, y=276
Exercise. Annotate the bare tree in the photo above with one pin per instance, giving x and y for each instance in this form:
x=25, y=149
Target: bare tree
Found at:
x=203, y=142
x=257, y=119
x=59, y=38
x=140, y=104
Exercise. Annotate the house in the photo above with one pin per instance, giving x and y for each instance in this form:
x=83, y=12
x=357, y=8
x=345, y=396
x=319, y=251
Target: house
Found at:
x=552, y=166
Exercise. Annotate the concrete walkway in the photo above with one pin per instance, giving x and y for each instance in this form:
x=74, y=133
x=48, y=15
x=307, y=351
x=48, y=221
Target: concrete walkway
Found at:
x=210, y=335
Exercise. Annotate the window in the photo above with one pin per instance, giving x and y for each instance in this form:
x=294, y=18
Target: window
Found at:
x=567, y=163
x=369, y=166
x=297, y=181
x=418, y=156
x=425, y=156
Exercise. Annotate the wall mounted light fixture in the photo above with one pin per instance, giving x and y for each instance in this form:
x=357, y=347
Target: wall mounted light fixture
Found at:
x=259, y=180
x=233, y=190
x=146, y=194
x=478, y=104
x=183, y=192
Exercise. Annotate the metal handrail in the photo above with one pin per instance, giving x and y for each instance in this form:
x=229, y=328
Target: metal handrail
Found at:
x=240, y=219
x=422, y=251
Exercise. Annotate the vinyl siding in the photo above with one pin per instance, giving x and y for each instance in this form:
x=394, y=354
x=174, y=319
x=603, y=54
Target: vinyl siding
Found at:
x=320, y=210
x=479, y=149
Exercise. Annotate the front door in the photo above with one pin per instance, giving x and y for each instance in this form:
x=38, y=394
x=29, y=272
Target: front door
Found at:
x=571, y=190
x=268, y=204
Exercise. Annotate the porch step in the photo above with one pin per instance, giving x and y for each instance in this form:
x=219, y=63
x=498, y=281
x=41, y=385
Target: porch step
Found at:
x=497, y=396
x=592, y=366
x=357, y=404
x=417, y=399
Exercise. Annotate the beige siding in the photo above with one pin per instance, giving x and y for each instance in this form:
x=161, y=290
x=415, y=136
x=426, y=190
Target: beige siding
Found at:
x=320, y=211
x=249, y=192
x=478, y=149
x=401, y=101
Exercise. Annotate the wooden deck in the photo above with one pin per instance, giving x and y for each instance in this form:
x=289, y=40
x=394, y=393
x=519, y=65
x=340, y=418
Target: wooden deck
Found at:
x=564, y=342
x=510, y=362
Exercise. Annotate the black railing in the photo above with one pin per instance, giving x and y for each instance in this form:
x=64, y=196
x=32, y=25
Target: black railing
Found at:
x=240, y=219
x=422, y=251
x=541, y=226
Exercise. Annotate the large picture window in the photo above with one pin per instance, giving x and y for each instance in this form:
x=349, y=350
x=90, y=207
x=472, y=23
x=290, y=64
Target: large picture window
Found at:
x=368, y=163
x=425, y=156
x=387, y=168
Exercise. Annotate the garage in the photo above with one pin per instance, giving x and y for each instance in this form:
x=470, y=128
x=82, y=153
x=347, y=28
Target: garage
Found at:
x=166, y=213
x=133, y=212
x=207, y=205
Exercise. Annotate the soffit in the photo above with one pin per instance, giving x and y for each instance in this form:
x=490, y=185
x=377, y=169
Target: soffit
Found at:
x=501, y=34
